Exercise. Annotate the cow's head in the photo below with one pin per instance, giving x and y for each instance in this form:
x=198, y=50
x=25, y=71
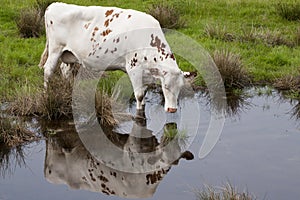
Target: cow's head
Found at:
x=172, y=81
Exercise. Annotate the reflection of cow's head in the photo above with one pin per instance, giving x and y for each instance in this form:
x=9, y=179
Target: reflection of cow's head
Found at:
x=68, y=162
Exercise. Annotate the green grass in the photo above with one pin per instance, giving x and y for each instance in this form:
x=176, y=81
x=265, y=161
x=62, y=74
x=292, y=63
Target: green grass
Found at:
x=264, y=62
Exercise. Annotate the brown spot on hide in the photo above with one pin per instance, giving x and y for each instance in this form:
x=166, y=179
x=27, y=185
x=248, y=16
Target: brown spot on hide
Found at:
x=145, y=58
x=115, y=49
x=106, y=23
x=109, y=12
x=116, y=15
x=118, y=40
x=106, y=32
x=153, y=178
x=102, y=178
x=51, y=22
x=133, y=62
x=105, y=192
x=86, y=26
x=172, y=56
x=129, y=16
x=156, y=42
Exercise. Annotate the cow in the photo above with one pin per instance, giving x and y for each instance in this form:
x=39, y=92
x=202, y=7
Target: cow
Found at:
x=111, y=38
x=69, y=162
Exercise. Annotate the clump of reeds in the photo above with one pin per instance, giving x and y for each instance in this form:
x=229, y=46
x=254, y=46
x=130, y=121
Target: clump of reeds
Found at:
x=231, y=69
x=167, y=15
x=275, y=38
x=103, y=105
x=218, y=32
x=265, y=36
x=297, y=37
x=10, y=158
x=13, y=132
x=288, y=82
x=30, y=22
x=226, y=192
x=289, y=10
x=54, y=103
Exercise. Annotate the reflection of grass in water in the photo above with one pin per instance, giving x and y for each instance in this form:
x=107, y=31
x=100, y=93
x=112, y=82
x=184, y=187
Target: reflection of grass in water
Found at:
x=13, y=132
x=10, y=158
x=236, y=102
x=171, y=132
x=225, y=192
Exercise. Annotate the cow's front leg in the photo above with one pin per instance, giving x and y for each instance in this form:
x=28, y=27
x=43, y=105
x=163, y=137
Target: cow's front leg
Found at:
x=140, y=97
x=50, y=67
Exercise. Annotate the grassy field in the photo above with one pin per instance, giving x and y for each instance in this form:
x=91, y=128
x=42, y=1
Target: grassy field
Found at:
x=267, y=43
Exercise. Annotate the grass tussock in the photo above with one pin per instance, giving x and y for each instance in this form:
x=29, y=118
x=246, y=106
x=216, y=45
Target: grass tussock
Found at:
x=289, y=10
x=288, y=82
x=10, y=158
x=167, y=15
x=297, y=37
x=13, y=132
x=225, y=192
x=30, y=23
x=218, y=32
x=54, y=104
x=42, y=5
x=104, y=109
x=231, y=69
x=255, y=35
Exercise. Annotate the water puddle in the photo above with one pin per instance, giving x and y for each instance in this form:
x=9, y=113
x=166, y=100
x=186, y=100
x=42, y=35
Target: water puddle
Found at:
x=258, y=150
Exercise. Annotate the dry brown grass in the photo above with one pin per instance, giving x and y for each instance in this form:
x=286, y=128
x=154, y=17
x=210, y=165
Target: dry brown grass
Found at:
x=225, y=192
x=289, y=82
x=265, y=36
x=218, y=32
x=231, y=69
x=13, y=132
x=167, y=15
x=30, y=23
x=54, y=104
x=289, y=10
x=274, y=38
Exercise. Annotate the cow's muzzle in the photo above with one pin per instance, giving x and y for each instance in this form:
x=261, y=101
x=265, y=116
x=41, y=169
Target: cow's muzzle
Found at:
x=172, y=110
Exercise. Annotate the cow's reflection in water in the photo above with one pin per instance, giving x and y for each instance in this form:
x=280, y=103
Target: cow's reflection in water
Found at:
x=68, y=162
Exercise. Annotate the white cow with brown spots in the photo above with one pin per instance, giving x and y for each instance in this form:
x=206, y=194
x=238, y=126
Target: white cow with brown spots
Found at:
x=110, y=38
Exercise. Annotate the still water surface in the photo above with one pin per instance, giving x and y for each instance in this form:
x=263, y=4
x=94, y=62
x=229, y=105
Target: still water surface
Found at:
x=259, y=150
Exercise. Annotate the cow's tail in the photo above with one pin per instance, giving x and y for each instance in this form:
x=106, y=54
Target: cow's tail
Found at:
x=44, y=56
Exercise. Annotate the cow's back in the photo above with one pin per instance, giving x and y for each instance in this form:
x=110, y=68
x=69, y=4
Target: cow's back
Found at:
x=79, y=28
